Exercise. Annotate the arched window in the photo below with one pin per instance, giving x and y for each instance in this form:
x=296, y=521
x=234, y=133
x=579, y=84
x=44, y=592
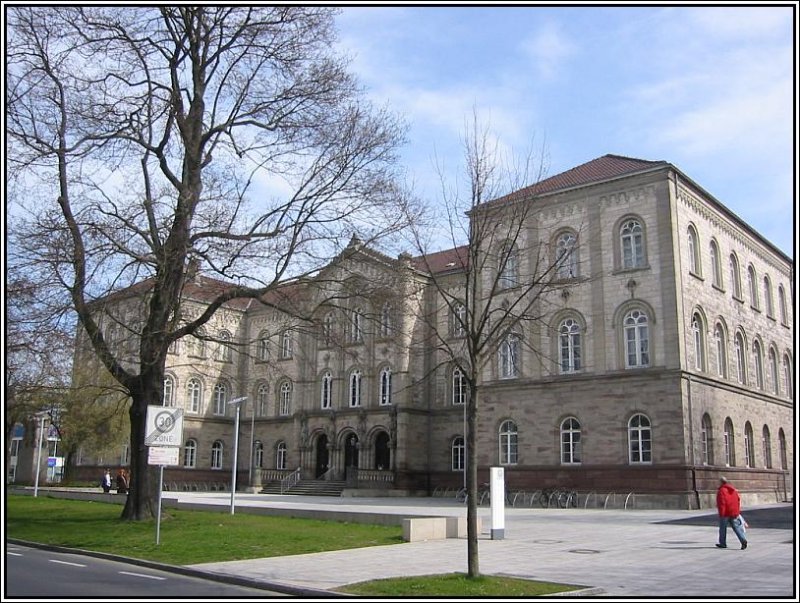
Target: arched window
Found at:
x=190, y=453
x=258, y=454
x=357, y=325
x=566, y=256
x=216, y=455
x=722, y=351
x=355, y=389
x=328, y=328
x=694, y=251
x=706, y=442
x=459, y=387
x=729, y=443
x=508, y=443
x=640, y=440
x=716, y=265
x=758, y=361
x=386, y=320
x=632, y=244
x=509, y=357
x=262, y=349
x=280, y=455
x=569, y=339
x=749, y=453
x=782, y=304
x=773, y=372
x=736, y=279
x=782, y=449
x=752, y=285
x=458, y=320
x=457, y=454
x=637, y=339
x=768, y=303
x=220, y=398
x=326, y=390
x=194, y=392
x=570, y=441
x=261, y=399
x=741, y=364
x=286, y=344
x=286, y=398
x=766, y=447
x=224, y=352
x=386, y=386
x=509, y=268
x=169, y=390
x=787, y=376
x=699, y=340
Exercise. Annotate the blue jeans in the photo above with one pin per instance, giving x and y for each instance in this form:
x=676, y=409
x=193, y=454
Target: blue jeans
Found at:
x=737, y=526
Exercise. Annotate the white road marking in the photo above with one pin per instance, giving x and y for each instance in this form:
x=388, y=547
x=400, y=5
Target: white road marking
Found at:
x=66, y=563
x=143, y=576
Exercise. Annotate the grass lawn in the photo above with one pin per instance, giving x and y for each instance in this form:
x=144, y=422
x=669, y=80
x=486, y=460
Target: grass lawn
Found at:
x=190, y=537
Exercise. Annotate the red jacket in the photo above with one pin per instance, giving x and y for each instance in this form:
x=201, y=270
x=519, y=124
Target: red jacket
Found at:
x=728, y=504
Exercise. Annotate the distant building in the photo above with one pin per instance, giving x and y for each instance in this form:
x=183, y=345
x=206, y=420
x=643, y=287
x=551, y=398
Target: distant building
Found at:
x=664, y=360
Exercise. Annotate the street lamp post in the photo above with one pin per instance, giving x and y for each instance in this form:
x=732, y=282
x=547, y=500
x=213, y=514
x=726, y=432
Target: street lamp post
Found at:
x=40, y=416
x=237, y=403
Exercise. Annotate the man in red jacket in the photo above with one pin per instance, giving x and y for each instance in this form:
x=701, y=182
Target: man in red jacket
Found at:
x=729, y=508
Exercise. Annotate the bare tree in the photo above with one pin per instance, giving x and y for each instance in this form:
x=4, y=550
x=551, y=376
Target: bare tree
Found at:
x=145, y=139
x=495, y=285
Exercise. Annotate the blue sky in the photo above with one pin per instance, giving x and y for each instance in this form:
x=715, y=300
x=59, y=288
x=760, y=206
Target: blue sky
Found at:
x=710, y=90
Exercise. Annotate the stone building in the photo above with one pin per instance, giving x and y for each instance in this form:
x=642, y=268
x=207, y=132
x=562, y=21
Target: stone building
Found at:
x=662, y=358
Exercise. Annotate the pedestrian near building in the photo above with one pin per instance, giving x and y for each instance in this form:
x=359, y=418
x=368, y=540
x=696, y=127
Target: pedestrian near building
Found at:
x=105, y=482
x=729, y=509
x=122, y=482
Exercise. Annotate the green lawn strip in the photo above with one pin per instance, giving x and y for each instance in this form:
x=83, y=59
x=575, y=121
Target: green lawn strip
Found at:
x=186, y=537
x=455, y=585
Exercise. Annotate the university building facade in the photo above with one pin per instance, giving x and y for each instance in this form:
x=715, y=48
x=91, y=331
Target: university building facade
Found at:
x=664, y=358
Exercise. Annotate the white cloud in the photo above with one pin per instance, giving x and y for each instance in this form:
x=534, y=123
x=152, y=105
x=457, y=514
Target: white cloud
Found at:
x=548, y=48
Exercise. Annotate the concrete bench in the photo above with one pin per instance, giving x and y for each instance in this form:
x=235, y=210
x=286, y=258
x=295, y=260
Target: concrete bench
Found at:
x=424, y=528
x=457, y=527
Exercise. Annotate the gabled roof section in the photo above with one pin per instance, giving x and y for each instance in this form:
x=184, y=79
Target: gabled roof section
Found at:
x=443, y=261
x=597, y=170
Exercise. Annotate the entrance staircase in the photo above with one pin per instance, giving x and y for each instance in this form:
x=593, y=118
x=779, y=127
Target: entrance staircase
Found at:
x=307, y=487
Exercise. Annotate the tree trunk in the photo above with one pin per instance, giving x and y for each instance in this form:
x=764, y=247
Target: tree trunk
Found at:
x=473, y=570
x=143, y=486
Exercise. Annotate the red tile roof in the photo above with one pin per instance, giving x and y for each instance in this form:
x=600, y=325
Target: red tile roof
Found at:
x=443, y=261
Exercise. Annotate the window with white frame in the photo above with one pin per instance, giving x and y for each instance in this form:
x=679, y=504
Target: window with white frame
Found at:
x=457, y=454
x=262, y=397
x=782, y=449
x=716, y=265
x=458, y=320
x=766, y=447
x=632, y=244
x=509, y=268
x=706, y=447
x=569, y=343
x=355, y=389
x=258, y=454
x=194, y=392
x=216, y=455
x=280, y=455
x=199, y=342
x=286, y=344
x=694, y=251
x=357, y=325
x=769, y=306
x=386, y=320
x=262, y=347
x=640, y=439
x=637, y=339
x=328, y=328
x=728, y=443
x=220, y=398
x=190, y=453
x=782, y=304
x=752, y=285
x=787, y=376
x=285, y=398
x=169, y=390
x=698, y=336
x=459, y=387
x=224, y=352
x=570, y=441
x=386, y=386
x=509, y=357
x=326, y=391
x=773, y=372
x=566, y=256
x=758, y=363
x=749, y=453
x=722, y=351
x=736, y=280
x=741, y=364
x=508, y=443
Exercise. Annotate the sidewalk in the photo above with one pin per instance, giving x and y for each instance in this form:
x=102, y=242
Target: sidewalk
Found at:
x=652, y=553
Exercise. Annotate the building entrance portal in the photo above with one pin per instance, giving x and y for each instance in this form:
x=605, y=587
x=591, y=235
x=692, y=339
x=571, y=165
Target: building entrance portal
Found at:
x=322, y=456
x=351, y=451
x=382, y=452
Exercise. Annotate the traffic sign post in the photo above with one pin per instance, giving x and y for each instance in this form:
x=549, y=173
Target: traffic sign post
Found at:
x=164, y=438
